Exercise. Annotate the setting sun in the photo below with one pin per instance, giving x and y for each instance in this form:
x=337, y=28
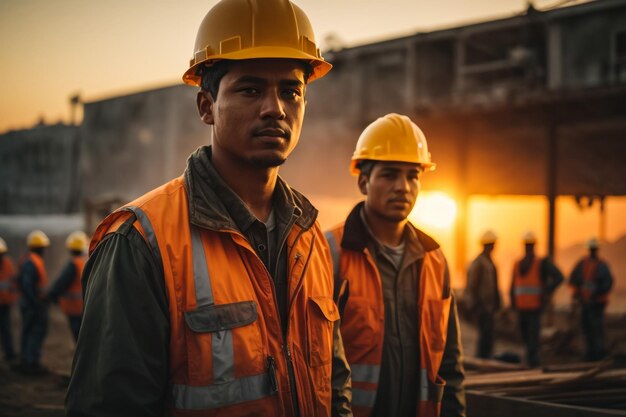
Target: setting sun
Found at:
x=434, y=209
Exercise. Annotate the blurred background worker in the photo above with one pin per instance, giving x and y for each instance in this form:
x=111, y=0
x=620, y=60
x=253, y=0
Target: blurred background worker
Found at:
x=400, y=325
x=591, y=280
x=483, y=296
x=534, y=281
x=8, y=296
x=33, y=281
x=67, y=289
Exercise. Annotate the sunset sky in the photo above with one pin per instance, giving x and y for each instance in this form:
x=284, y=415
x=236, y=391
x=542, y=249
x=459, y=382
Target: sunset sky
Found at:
x=53, y=49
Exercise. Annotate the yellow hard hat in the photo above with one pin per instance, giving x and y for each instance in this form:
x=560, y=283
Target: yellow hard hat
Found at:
x=529, y=237
x=37, y=239
x=77, y=241
x=592, y=243
x=3, y=246
x=488, y=237
x=393, y=137
x=249, y=29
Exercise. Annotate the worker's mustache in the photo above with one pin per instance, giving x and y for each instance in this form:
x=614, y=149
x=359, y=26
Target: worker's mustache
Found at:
x=272, y=129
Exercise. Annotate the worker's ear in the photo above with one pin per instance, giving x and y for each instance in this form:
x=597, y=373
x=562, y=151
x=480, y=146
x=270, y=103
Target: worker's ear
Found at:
x=205, y=103
x=362, y=182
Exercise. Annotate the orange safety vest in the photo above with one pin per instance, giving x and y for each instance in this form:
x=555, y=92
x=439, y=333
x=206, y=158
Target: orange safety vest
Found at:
x=527, y=288
x=71, y=301
x=227, y=352
x=8, y=287
x=590, y=267
x=42, y=282
x=363, y=324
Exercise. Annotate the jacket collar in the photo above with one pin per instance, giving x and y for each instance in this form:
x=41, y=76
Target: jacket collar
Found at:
x=214, y=205
x=356, y=235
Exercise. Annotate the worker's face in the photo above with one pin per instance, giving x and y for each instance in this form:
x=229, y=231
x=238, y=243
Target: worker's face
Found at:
x=258, y=112
x=529, y=248
x=489, y=248
x=391, y=190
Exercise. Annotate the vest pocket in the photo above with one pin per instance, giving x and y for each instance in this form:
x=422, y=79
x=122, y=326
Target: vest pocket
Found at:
x=222, y=338
x=360, y=326
x=439, y=312
x=321, y=315
x=215, y=318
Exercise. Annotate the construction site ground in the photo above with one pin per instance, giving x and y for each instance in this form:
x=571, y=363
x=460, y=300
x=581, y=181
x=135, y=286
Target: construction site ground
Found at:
x=43, y=396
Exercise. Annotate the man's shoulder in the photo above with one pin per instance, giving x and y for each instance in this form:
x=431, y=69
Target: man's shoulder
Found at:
x=426, y=240
x=161, y=193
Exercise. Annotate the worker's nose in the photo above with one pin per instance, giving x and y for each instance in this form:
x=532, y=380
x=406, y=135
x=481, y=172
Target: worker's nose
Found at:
x=272, y=105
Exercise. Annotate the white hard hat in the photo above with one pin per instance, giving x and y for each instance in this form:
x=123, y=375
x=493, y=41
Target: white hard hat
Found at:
x=592, y=243
x=488, y=237
x=529, y=237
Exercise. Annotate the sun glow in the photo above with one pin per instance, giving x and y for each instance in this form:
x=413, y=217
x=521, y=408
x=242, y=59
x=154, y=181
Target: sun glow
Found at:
x=434, y=209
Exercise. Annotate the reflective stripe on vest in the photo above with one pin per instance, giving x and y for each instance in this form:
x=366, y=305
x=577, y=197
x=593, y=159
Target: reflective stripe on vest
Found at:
x=368, y=374
x=219, y=395
x=334, y=252
x=226, y=390
x=527, y=288
x=363, y=398
x=523, y=290
x=365, y=373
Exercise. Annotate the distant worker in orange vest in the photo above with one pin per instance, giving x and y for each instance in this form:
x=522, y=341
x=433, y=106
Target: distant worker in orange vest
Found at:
x=483, y=295
x=534, y=281
x=8, y=296
x=399, y=324
x=33, y=280
x=212, y=295
x=67, y=289
x=592, y=281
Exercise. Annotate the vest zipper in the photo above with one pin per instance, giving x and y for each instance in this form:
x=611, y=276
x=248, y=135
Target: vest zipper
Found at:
x=271, y=368
x=285, y=343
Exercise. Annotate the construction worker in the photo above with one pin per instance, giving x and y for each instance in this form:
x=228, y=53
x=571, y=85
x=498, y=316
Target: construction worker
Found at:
x=8, y=296
x=33, y=280
x=399, y=321
x=592, y=281
x=67, y=289
x=534, y=281
x=483, y=296
x=216, y=289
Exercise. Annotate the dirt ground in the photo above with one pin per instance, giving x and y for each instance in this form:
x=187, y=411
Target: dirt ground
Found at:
x=40, y=396
x=29, y=396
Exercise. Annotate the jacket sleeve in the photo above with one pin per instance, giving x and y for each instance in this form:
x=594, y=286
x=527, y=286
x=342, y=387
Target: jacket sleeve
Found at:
x=474, y=274
x=512, y=292
x=551, y=275
x=451, y=370
x=120, y=366
x=341, y=379
x=604, y=279
x=28, y=283
x=63, y=281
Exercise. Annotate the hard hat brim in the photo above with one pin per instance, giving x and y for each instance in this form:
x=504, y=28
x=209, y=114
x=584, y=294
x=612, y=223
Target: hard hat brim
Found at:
x=428, y=166
x=320, y=67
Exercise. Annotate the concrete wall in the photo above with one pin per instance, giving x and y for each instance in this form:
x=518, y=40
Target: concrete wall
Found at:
x=38, y=170
x=136, y=142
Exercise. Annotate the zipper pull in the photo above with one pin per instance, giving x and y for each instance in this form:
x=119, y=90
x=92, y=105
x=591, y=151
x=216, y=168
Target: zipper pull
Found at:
x=288, y=352
x=298, y=256
x=271, y=367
